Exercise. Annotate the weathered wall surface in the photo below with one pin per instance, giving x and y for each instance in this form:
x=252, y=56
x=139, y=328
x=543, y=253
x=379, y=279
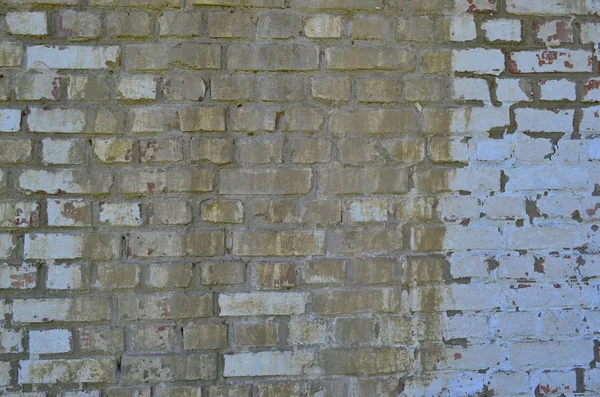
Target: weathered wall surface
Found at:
x=273, y=198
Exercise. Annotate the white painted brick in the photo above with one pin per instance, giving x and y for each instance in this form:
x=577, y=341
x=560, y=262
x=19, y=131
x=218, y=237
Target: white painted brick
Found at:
x=85, y=370
x=544, y=296
x=509, y=383
x=533, y=150
x=368, y=210
x=474, y=357
x=462, y=28
x=474, y=120
x=49, y=341
x=493, y=149
x=262, y=303
x=10, y=341
x=557, y=90
x=121, y=214
x=71, y=57
x=53, y=246
x=475, y=179
x=590, y=32
x=502, y=207
x=540, y=120
x=65, y=276
x=469, y=326
x=136, y=87
x=461, y=6
x=73, y=181
x=478, y=60
x=56, y=120
x=547, y=178
x=502, y=29
x=10, y=120
x=512, y=90
x=27, y=23
x=455, y=208
x=552, y=7
x=465, y=264
x=466, y=238
x=272, y=363
x=555, y=381
x=555, y=354
x=449, y=383
x=589, y=120
x=460, y=297
x=17, y=276
x=551, y=61
x=63, y=151
x=469, y=89
x=520, y=238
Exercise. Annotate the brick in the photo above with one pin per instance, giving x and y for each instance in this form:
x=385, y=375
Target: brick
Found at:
x=170, y=275
x=230, y=391
x=150, y=244
x=69, y=212
x=17, y=276
x=369, y=28
x=49, y=341
x=324, y=271
x=271, y=363
x=241, y=3
x=72, y=57
x=138, y=3
x=278, y=26
x=202, y=119
x=223, y=273
x=166, y=181
x=330, y=88
x=471, y=60
x=365, y=361
x=15, y=151
x=169, y=368
x=153, y=338
x=262, y=303
x=180, y=24
x=214, y=150
x=67, y=371
x=310, y=151
x=121, y=214
x=138, y=87
x=285, y=57
x=168, y=213
x=416, y=29
x=184, y=88
x=258, y=334
x=67, y=181
x=161, y=150
x=222, y=211
x=88, y=88
x=339, y=4
x=281, y=89
x=303, y=119
x=369, y=58
x=113, y=150
x=341, y=302
x=116, y=276
x=367, y=180
x=101, y=340
x=174, y=391
x=323, y=26
x=154, y=307
x=27, y=23
x=550, y=61
x=230, y=25
x=162, y=56
x=11, y=54
x=204, y=336
x=502, y=30
x=63, y=151
x=19, y=214
x=352, y=242
x=260, y=150
x=232, y=87
x=278, y=243
x=265, y=181
x=274, y=275
x=368, y=210
x=128, y=24
x=60, y=310
x=377, y=90
x=78, y=24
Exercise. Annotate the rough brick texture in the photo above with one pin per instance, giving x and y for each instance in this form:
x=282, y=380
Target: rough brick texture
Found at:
x=311, y=198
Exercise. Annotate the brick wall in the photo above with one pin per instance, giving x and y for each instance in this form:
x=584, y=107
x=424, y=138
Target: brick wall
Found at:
x=312, y=198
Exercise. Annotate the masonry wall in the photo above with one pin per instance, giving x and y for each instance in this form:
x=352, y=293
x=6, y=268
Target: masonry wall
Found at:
x=324, y=198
